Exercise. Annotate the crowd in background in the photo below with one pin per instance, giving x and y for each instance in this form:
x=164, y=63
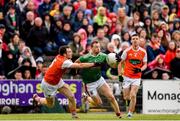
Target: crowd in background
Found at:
x=32, y=29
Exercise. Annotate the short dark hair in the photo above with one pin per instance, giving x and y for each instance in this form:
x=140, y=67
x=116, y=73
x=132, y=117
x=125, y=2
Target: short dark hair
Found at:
x=62, y=49
x=94, y=42
x=135, y=34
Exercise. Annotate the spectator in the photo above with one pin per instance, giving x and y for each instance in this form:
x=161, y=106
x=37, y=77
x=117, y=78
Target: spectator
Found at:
x=148, y=27
x=155, y=19
x=106, y=28
x=12, y=20
x=130, y=26
x=122, y=18
x=143, y=34
x=83, y=35
x=155, y=75
x=2, y=59
x=154, y=48
x=136, y=19
x=29, y=7
x=165, y=76
x=176, y=24
x=18, y=75
x=27, y=54
x=38, y=38
x=27, y=74
x=13, y=45
x=98, y=3
x=55, y=10
x=67, y=15
x=101, y=39
x=4, y=37
x=21, y=4
x=164, y=16
x=139, y=6
x=158, y=62
x=77, y=24
x=90, y=33
x=116, y=40
x=41, y=75
x=88, y=14
x=76, y=47
x=27, y=25
x=44, y=8
x=175, y=65
x=100, y=19
x=176, y=37
x=143, y=43
x=126, y=37
x=118, y=29
x=170, y=53
x=110, y=48
x=39, y=68
x=166, y=37
x=64, y=37
x=113, y=18
x=121, y=4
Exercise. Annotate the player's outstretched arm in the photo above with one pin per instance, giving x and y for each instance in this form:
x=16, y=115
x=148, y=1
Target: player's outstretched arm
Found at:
x=82, y=65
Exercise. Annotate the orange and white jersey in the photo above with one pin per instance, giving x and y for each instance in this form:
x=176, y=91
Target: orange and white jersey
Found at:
x=57, y=69
x=133, y=59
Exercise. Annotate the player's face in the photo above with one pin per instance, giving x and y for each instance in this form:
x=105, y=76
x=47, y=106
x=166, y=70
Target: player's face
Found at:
x=135, y=40
x=96, y=48
x=68, y=53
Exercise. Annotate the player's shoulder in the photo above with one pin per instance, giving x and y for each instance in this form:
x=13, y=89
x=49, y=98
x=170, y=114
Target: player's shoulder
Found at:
x=102, y=54
x=128, y=49
x=142, y=49
x=86, y=55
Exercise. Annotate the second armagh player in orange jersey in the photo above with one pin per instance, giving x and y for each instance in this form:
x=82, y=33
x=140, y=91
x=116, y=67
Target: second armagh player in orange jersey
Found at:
x=53, y=83
x=134, y=61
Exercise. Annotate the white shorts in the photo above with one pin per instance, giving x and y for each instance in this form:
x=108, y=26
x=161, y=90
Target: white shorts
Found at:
x=92, y=88
x=129, y=81
x=51, y=90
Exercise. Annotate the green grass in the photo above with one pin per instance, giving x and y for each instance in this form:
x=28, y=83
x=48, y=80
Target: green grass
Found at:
x=88, y=116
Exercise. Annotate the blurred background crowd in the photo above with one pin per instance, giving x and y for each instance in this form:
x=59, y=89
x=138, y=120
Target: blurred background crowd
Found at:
x=31, y=31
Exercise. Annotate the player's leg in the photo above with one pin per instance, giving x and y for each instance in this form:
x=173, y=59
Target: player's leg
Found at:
x=133, y=93
x=65, y=90
x=48, y=101
x=93, y=96
x=49, y=93
x=126, y=97
x=126, y=91
x=107, y=92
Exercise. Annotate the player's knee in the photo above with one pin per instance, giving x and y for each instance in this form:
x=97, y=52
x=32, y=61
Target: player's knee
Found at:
x=50, y=104
x=98, y=103
x=111, y=98
x=71, y=98
x=133, y=96
x=126, y=97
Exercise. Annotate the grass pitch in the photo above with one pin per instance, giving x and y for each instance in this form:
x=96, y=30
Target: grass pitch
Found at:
x=87, y=117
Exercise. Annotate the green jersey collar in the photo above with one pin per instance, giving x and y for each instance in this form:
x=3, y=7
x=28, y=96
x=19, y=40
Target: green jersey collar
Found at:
x=90, y=53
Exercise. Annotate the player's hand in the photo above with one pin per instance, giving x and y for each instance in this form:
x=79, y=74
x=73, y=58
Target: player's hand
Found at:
x=99, y=63
x=118, y=57
x=121, y=78
x=136, y=70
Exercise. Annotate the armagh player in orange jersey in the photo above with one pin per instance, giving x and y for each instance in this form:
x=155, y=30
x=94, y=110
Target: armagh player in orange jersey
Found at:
x=53, y=83
x=134, y=61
